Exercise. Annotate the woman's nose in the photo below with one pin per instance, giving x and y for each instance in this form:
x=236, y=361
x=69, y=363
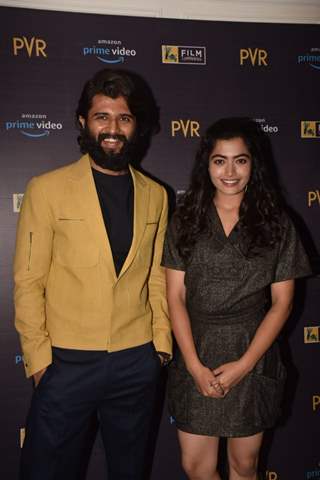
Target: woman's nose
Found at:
x=229, y=168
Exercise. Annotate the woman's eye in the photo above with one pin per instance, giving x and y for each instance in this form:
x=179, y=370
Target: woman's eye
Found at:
x=218, y=161
x=242, y=161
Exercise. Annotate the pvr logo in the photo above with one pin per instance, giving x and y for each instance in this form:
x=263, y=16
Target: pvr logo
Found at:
x=313, y=196
x=315, y=402
x=187, y=128
x=255, y=56
x=34, y=46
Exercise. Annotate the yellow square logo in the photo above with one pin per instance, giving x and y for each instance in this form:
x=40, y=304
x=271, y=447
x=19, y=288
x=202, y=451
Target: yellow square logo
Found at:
x=310, y=129
x=170, y=54
x=17, y=201
x=311, y=335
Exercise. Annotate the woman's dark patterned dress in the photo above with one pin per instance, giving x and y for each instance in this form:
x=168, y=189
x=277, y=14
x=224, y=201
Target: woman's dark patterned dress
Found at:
x=227, y=296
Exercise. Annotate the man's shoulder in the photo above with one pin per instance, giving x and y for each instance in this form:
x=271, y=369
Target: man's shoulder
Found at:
x=58, y=173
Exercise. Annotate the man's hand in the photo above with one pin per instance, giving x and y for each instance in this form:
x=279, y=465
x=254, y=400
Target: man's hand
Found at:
x=37, y=376
x=164, y=358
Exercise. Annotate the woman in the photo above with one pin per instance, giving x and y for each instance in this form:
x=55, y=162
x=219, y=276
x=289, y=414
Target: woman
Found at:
x=231, y=254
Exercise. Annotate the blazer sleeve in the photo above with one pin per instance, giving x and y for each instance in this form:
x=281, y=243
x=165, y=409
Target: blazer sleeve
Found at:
x=31, y=267
x=157, y=288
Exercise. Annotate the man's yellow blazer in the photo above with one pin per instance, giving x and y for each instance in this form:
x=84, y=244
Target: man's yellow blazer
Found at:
x=67, y=293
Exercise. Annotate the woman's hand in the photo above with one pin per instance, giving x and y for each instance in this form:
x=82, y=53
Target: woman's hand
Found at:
x=206, y=382
x=230, y=374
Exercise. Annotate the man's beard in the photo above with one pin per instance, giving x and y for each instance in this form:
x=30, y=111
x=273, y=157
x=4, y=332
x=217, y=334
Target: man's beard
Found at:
x=116, y=161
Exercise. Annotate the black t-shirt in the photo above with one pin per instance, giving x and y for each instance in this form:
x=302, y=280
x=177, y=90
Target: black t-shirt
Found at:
x=115, y=194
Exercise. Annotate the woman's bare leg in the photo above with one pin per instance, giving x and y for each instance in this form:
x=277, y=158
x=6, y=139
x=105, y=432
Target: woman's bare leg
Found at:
x=243, y=454
x=199, y=455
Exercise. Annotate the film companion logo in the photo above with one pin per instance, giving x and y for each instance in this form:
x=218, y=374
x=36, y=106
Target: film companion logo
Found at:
x=188, y=55
x=310, y=129
x=17, y=201
x=311, y=334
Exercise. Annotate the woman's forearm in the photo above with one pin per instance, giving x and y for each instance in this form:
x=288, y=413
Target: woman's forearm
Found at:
x=267, y=333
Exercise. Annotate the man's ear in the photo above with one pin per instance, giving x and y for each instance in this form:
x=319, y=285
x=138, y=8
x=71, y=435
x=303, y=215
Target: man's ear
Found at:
x=82, y=121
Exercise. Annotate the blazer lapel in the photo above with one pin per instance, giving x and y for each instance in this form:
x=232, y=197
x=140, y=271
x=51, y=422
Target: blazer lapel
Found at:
x=141, y=202
x=88, y=198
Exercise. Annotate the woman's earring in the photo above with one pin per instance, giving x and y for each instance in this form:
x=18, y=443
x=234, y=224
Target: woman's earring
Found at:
x=245, y=188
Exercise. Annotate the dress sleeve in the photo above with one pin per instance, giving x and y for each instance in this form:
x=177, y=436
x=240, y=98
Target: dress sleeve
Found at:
x=171, y=257
x=292, y=259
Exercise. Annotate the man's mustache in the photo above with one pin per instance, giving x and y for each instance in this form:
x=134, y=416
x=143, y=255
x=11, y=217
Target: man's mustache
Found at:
x=107, y=136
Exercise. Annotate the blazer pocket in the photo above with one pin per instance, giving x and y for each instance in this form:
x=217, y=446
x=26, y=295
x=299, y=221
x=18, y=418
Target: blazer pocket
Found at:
x=70, y=219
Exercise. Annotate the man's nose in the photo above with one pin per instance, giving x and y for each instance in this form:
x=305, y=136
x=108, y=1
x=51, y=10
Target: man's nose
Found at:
x=112, y=126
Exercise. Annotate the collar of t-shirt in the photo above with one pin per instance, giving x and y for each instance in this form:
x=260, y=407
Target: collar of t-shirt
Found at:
x=115, y=193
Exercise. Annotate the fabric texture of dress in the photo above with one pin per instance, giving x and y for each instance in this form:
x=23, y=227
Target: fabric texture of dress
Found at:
x=227, y=296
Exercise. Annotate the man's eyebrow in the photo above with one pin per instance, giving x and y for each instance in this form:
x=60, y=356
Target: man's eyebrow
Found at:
x=127, y=114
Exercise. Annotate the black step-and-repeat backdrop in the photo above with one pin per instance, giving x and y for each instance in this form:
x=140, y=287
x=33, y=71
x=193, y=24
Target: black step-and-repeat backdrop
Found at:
x=199, y=71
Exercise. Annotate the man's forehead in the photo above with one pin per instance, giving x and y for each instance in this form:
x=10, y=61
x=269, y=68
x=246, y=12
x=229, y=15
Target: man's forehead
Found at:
x=101, y=98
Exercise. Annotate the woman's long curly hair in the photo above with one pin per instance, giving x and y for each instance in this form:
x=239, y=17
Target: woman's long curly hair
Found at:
x=261, y=207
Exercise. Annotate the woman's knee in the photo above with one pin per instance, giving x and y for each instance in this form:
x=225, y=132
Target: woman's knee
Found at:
x=198, y=469
x=244, y=466
x=243, y=454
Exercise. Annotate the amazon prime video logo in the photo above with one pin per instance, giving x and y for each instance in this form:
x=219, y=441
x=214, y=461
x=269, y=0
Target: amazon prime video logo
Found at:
x=311, y=58
x=33, y=125
x=109, y=51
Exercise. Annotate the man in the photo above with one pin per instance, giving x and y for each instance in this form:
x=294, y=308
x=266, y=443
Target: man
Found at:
x=90, y=293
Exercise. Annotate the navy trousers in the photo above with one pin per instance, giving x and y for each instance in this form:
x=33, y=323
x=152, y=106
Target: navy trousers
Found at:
x=79, y=387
